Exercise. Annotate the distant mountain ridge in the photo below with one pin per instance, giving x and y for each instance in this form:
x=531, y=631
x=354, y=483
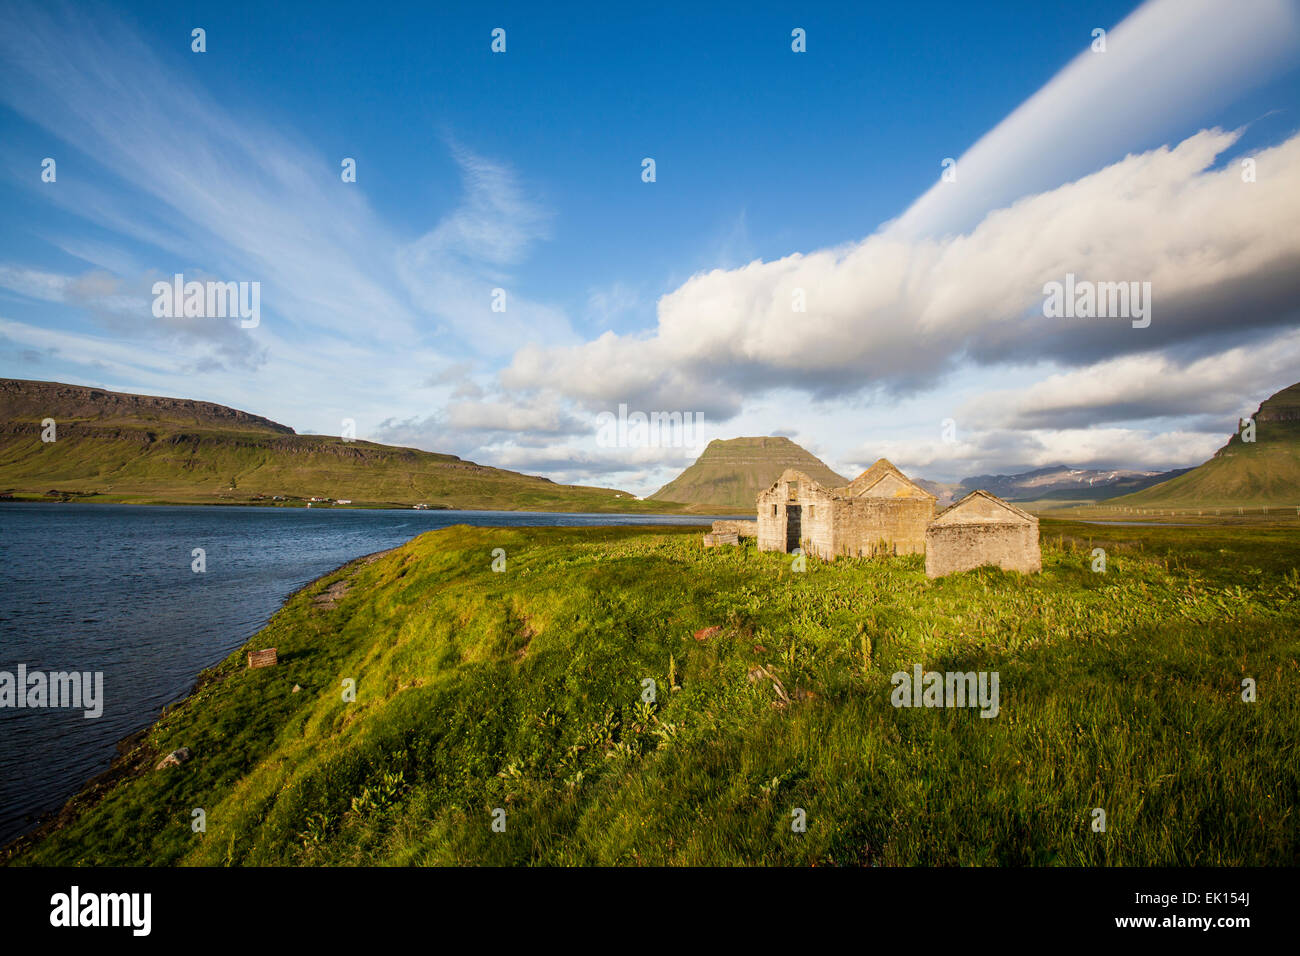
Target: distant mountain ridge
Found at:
x=116, y=446
x=730, y=473
x=1058, y=481
x=22, y=399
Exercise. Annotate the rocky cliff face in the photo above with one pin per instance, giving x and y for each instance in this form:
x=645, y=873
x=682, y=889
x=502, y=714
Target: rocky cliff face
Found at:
x=1281, y=407
x=1276, y=419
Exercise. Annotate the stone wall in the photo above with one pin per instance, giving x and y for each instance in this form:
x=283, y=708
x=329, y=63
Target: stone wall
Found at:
x=831, y=525
x=771, y=520
x=816, y=506
x=868, y=526
x=741, y=528
x=817, y=531
x=961, y=547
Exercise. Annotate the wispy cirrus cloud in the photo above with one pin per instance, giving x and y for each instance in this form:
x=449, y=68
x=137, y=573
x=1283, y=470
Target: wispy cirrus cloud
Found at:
x=202, y=184
x=156, y=176
x=456, y=269
x=124, y=307
x=207, y=186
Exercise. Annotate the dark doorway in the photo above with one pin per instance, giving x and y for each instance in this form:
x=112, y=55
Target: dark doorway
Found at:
x=793, y=523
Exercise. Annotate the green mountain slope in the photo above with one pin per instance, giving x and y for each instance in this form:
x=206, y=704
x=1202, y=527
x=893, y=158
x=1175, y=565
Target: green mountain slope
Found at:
x=731, y=473
x=116, y=447
x=1265, y=472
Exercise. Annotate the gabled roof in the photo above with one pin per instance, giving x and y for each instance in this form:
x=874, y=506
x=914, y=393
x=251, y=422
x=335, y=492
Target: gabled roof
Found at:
x=982, y=507
x=793, y=474
x=883, y=480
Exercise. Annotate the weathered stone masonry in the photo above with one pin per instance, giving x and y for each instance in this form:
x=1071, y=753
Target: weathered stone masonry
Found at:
x=982, y=529
x=879, y=512
x=883, y=512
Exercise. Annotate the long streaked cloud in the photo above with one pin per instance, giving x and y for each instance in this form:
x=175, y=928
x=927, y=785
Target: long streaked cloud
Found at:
x=124, y=307
x=1222, y=256
x=229, y=191
x=460, y=269
x=1161, y=67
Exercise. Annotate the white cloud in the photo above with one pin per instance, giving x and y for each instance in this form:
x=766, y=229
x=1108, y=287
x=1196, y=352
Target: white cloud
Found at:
x=1014, y=451
x=454, y=269
x=1163, y=65
x=1152, y=385
x=1222, y=256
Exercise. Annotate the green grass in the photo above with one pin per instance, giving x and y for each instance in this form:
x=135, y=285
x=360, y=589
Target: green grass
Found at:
x=522, y=690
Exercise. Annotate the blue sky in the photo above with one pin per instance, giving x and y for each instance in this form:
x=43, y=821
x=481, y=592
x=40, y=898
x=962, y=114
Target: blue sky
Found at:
x=522, y=171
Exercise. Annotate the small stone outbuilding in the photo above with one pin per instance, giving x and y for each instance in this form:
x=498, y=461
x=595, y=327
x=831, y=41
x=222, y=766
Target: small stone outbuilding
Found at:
x=982, y=529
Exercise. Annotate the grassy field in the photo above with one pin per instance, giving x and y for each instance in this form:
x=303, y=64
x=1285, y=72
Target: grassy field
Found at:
x=523, y=690
x=1261, y=516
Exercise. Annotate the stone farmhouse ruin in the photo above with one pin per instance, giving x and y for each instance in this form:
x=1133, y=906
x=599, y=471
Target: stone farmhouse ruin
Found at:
x=879, y=512
x=982, y=529
x=883, y=512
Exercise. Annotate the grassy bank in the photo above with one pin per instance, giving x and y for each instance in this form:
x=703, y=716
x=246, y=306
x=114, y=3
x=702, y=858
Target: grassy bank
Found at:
x=522, y=690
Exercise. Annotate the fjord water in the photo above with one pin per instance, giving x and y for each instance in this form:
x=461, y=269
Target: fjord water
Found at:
x=110, y=588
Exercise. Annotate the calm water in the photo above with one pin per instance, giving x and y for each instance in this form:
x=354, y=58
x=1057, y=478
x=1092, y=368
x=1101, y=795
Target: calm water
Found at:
x=109, y=588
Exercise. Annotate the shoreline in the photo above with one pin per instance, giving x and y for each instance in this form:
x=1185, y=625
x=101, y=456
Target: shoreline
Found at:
x=134, y=755
x=681, y=511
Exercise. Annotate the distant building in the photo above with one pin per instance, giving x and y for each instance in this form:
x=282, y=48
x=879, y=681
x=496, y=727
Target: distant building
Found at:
x=344, y=501
x=881, y=511
x=982, y=529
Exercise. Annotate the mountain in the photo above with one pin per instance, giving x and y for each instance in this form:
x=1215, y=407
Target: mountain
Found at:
x=111, y=446
x=1060, y=482
x=731, y=473
x=946, y=491
x=1265, y=472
